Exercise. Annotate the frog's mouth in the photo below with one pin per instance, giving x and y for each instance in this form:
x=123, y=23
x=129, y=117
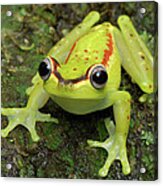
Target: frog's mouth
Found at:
x=68, y=81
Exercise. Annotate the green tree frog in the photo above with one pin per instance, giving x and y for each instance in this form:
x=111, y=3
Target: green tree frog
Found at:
x=82, y=74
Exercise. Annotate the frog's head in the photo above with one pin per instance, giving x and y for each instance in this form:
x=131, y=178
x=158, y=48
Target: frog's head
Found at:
x=88, y=71
x=63, y=81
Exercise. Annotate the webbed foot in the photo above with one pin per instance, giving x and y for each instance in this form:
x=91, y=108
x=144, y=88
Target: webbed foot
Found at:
x=26, y=117
x=115, y=145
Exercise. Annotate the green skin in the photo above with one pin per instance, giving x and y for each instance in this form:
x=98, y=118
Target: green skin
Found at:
x=77, y=54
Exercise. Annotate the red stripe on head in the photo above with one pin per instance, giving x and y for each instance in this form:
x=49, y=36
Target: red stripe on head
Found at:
x=109, y=51
x=72, y=48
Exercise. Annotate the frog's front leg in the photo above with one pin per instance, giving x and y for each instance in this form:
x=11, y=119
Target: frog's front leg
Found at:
x=135, y=56
x=115, y=145
x=61, y=50
x=30, y=114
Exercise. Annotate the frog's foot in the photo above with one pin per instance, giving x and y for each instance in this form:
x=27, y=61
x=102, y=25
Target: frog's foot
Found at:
x=115, y=145
x=26, y=117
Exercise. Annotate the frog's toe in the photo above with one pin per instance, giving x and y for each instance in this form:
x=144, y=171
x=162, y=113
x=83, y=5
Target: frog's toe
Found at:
x=7, y=111
x=105, y=169
x=126, y=168
x=33, y=133
x=45, y=118
x=92, y=143
x=124, y=161
x=109, y=124
x=8, y=129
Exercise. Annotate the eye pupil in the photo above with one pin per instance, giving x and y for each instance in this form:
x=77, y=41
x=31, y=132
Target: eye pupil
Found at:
x=99, y=77
x=44, y=69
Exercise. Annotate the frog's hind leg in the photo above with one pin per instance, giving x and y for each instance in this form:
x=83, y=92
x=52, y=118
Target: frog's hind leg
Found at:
x=136, y=58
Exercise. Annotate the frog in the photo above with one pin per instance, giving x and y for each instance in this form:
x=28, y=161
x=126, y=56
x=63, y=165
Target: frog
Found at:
x=82, y=74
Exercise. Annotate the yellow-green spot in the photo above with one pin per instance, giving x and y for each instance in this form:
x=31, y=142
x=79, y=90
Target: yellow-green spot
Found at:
x=143, y=98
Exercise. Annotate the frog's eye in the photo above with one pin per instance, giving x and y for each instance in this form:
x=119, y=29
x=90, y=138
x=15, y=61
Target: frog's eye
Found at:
x=98, y=77
x=45, y=69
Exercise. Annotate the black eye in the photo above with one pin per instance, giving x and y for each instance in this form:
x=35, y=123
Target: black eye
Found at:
x=45, y=69
x=98, y=77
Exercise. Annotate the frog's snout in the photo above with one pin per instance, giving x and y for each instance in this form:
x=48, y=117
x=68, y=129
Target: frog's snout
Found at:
x=67, y=85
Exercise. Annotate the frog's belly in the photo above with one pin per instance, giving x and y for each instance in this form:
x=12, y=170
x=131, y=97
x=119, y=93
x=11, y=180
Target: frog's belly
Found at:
x=80, y=106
